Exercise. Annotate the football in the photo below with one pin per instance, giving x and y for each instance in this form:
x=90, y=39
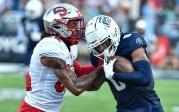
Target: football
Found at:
x=122, y=64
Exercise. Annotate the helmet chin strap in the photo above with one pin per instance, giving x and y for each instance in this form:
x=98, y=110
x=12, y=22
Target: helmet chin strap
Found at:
x=96, y=54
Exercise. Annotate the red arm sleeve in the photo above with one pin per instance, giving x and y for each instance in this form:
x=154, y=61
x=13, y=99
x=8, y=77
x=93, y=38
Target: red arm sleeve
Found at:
x=82, y=70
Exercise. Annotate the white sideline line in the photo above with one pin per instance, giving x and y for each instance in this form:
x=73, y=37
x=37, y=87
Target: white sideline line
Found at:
x=15, y=94
x=11, y=67
x=175, y=109
x=18, y=94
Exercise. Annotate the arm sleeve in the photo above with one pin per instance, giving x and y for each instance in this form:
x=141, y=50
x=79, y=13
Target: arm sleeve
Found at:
x=83, y=70
x=142, y=75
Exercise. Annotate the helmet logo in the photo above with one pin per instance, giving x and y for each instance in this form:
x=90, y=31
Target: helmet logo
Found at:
x=105, y=20
x=61, y=10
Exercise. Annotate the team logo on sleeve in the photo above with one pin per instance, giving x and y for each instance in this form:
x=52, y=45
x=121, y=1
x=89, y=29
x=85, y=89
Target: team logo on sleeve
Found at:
x=139, y=41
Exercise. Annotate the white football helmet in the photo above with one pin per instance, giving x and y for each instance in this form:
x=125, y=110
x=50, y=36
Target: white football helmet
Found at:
x=100, y=29
x=66, y=21
x=34, y=9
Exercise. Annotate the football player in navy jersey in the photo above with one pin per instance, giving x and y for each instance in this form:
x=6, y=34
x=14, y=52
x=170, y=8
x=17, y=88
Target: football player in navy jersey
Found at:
x=133, y=91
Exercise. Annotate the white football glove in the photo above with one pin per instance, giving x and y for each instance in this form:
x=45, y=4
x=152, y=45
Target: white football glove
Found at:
x=108, y=67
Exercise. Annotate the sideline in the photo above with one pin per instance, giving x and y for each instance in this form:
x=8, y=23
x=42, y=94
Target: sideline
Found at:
x=175, y=109
x=18, y=94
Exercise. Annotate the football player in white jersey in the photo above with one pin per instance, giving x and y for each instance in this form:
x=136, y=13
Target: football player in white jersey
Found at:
x=53, y=66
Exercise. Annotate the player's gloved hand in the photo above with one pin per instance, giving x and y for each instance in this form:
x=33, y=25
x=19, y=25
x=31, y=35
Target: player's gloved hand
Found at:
x=108, y=67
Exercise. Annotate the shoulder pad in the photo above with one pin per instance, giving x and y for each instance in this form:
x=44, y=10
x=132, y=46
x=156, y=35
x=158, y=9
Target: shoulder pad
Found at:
x=130, y=42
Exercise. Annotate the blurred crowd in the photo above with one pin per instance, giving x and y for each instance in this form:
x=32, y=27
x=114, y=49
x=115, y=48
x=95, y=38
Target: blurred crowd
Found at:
x=156, y=20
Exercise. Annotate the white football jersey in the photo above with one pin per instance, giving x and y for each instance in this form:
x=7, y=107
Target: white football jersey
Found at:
x=46, y=93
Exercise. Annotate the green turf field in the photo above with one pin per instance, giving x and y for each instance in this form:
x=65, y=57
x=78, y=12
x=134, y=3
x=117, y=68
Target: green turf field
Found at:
x=100, y=101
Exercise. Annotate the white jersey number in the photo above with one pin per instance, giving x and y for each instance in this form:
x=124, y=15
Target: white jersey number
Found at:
x=118, y=85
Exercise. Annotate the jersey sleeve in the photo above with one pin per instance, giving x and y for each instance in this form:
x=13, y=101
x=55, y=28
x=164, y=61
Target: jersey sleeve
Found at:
x=51, y=48
x=131, y=42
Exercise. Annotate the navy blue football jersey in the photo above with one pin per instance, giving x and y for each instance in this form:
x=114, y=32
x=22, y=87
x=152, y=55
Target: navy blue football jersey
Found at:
x=132, y=98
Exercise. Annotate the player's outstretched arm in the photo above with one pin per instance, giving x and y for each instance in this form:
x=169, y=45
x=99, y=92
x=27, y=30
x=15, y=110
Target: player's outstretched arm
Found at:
x=97, y=82
x=82, y=70
x=76, y=85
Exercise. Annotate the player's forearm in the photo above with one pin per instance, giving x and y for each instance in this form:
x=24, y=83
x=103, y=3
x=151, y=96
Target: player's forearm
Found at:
x=67, y=78
x=86, y=81
x=78, y=85
x=74, y=84
x=97, y=83
x=140, y=77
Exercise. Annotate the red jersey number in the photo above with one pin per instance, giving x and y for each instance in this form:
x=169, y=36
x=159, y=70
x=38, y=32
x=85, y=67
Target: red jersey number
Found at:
x=59, y=86
x=28, y=82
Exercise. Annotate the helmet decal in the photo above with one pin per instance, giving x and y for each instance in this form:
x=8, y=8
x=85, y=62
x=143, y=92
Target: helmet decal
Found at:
x=61, y=10
x=105, y=20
